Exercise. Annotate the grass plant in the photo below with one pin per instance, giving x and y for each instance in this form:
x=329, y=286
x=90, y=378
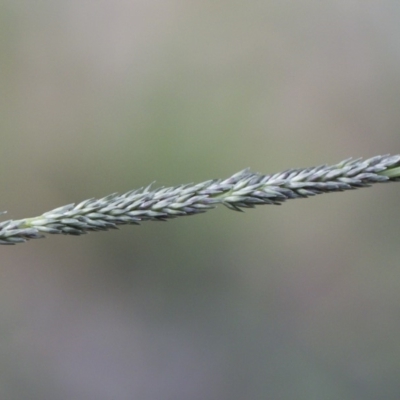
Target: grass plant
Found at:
x=242, y=190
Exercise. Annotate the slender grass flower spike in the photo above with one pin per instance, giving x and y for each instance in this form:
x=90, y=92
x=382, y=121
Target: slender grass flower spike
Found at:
x=244, y=189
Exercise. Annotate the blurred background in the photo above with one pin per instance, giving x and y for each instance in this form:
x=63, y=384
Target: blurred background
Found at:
x=300, y=301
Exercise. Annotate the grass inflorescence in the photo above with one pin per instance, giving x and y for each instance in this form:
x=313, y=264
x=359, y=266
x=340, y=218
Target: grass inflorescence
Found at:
x=244, y=189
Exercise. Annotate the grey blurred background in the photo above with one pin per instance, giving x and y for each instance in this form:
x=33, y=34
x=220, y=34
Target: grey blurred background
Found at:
x=294, y=302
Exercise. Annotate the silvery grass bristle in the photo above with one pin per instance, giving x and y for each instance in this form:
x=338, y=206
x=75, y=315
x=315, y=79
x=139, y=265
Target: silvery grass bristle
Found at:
x=244, y=189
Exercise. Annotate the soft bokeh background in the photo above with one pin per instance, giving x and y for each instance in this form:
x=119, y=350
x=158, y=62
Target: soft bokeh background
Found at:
x=294, y=302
